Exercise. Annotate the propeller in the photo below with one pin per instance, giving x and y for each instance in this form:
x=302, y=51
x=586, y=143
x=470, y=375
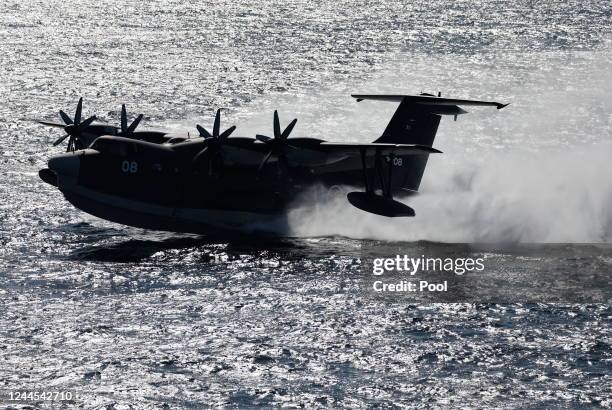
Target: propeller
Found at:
x=279, y=146
x=128, y=132
x=75, y=128
x=213, y=142
x=216, y=127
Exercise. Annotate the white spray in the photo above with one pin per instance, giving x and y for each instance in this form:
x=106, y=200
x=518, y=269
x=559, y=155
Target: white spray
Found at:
x=537, y=171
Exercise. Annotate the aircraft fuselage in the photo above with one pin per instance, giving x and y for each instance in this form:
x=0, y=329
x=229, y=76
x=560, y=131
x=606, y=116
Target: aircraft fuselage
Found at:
x=164, y=190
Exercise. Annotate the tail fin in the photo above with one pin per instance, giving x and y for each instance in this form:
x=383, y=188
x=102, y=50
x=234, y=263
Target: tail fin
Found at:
x=416, y=121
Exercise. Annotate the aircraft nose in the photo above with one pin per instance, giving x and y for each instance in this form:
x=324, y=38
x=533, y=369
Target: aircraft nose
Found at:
x=65, y=165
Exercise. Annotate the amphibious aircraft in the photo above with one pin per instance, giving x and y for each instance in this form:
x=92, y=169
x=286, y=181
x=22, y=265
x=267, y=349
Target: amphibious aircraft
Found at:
x=215, y=181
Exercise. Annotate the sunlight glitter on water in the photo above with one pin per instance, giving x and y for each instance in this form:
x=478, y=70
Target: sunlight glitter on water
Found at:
x=144, y=319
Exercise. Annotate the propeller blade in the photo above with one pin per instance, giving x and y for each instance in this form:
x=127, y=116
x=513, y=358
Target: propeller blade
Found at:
x=123, y=119
x=266, y=158
x=70, y=146
x=134, y=124
x=217, y=124
x=60, y=140
x=199, y=155
x=67, y=120
x=77, y=114
x=277, y=131
x=203, y=132
x=86, y=123
x=262, y=138
x=227, y=132
x=288, y=130
x=51, y=124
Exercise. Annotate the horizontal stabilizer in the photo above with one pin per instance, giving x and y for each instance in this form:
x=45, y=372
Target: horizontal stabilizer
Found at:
x=425, y=100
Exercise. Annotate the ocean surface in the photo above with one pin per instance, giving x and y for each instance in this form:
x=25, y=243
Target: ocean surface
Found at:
x=125, y=317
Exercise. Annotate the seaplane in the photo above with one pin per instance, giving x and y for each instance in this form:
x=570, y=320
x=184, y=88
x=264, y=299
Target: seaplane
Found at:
x=215, y=182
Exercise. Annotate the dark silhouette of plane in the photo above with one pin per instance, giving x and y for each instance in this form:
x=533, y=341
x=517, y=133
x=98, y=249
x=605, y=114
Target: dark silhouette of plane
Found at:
x=212, y=182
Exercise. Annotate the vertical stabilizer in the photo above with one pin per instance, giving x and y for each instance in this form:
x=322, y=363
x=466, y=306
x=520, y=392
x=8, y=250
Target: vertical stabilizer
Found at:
x=416, y=121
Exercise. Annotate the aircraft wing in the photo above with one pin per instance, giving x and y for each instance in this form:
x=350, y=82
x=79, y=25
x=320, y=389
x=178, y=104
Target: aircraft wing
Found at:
x=50, y=124
x=95, y=129
x=370, y=149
